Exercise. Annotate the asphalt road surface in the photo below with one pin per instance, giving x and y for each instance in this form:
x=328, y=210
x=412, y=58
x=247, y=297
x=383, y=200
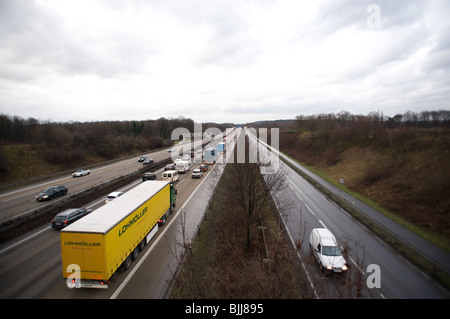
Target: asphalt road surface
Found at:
x=21, y=200
x=30, y=266
x=307, y=208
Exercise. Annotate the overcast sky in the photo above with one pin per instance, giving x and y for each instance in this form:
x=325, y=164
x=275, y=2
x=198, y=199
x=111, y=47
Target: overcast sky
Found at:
x=221, y=61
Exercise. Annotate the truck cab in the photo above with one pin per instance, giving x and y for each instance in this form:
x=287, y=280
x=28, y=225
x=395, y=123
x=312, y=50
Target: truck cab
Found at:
x=324, y=247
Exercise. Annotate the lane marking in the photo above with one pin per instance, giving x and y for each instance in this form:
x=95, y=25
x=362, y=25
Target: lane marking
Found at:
x=359, y=268
x=303, y=264
x=310, y=210
x=321, y=222
x=23, y=240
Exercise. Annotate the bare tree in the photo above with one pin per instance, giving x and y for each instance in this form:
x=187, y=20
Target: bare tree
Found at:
x=254, y=192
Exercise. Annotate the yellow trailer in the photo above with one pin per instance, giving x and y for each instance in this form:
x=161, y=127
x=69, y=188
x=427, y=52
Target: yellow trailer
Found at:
x=94, y=247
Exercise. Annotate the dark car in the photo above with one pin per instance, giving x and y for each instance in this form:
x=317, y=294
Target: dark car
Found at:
x=142, y=158
x=147, y=161
x=203, y=167
x=170, y=167
x=148, y=176
x=69, y=216
x=52, y=192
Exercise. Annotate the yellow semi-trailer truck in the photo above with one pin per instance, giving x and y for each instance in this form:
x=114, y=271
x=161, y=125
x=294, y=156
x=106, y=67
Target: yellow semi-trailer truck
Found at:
x=94, y=247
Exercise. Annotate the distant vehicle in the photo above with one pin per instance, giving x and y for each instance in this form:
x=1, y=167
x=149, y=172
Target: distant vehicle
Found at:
x=186, y=157
x=141, y=159
x=171, y=150
x=68, y=216
x=198, y=158
x=81, y=172
x=52, y=192
x=324, y=247
x=170, y=167
x=203, y=167
x=197, y=173
x=183, y=166
x=171, y=176
x=221, y=147
x=113, y=196
x=147, y=161
x=148, y=176
x=210, y=155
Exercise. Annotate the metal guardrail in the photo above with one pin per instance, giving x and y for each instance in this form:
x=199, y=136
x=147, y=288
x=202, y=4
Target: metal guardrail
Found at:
x=81, y=198
x=66, y=172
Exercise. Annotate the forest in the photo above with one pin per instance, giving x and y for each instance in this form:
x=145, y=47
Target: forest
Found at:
x=47, y=147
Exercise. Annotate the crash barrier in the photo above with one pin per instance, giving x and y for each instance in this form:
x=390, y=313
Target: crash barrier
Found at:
x=16, y=225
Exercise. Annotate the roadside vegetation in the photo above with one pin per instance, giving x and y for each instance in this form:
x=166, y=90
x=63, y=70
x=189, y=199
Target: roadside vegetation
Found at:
x=398, y=165
x=241, y=250
x=30, y=148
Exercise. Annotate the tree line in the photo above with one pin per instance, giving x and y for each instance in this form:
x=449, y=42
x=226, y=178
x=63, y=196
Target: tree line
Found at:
x=343, y=130
x=437, y=118
x=17, y=130
x=74, y=143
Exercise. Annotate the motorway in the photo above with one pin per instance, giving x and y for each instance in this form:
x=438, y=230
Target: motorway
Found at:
x=20, y=200
x=30, y=266
x=307, y=208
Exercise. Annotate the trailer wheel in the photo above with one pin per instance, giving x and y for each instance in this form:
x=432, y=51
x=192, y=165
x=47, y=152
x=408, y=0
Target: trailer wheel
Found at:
x=162, y=221
x=135, y=253
x=126, y=264
x=142, y=244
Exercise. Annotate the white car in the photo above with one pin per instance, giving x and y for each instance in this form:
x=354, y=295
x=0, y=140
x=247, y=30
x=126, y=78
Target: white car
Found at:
x=197, y=173
x=324, y=247
x=113, y=196
x=81, y=172
x=170, y=175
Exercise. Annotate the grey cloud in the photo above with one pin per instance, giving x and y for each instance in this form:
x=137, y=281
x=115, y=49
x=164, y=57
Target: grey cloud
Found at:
x=334, y=15
x=230, y=45
x=399, y=73
x=439, y=55
x=42, y=41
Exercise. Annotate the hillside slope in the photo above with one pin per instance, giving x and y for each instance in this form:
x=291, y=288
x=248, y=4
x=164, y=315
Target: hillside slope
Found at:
x=407, y=172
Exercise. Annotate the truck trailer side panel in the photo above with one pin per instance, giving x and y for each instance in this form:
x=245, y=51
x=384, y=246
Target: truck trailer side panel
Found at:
x=125, y=236
x=99, y=247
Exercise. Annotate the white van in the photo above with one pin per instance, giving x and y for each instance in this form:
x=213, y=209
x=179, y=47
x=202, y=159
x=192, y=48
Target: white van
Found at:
x=171, y=176
x=182, y=166
x=324, y=247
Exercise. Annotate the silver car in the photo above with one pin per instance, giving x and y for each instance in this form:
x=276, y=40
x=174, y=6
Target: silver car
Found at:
x=197, y=173
x=81, y=172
